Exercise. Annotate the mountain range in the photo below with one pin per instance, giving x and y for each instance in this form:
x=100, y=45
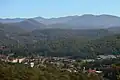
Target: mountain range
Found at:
x=86, y=21
x=71, y=35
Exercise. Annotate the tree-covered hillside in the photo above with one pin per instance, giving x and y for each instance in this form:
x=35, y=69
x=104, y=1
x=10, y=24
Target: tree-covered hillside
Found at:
x=106, y=45
x=22, y=72
x=72, y=47
x=17, y=33
x=59, y=42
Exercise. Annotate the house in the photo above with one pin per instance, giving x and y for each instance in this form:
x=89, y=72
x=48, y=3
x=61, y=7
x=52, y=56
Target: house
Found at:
x=14, y=61
x=21, y=60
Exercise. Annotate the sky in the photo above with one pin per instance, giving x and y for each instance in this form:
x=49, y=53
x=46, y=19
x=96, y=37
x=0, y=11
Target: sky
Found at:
x=57, y=8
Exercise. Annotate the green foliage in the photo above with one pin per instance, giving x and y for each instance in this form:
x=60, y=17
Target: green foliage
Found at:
x=21, y=72
x=60, y=42
x=69, y=47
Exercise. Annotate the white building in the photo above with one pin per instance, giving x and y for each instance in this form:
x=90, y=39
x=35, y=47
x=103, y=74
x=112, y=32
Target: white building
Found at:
x=106, y=56
x=31, y=64
x=14, y=61
x=21, y=60
x=17, y=60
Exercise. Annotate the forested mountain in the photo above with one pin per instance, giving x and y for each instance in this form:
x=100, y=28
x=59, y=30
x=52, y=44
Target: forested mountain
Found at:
x=72, y=33
x=74, y=47
x=82, y=47
x=106, y=45
x=114, y=29
x=60, y=34
x=24, y=36
x=57, y=38
x=6, y=33
x=52, y=42
x=11, y=28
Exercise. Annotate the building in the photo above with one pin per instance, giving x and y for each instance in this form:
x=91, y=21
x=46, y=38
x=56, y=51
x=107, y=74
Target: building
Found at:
x=106, y=57
x=31, y=64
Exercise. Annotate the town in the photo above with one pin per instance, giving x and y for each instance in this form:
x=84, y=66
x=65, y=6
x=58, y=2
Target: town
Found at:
x=102, y=64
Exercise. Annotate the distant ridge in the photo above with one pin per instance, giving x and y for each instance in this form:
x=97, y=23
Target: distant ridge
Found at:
x=28, y=24
x=86, y=21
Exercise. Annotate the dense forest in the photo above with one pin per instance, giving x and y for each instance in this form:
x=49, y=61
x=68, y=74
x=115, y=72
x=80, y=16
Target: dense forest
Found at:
x=69, y=47
x=59, y=42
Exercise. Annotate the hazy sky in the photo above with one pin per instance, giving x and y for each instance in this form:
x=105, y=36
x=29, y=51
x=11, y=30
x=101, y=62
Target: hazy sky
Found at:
x=57, y=8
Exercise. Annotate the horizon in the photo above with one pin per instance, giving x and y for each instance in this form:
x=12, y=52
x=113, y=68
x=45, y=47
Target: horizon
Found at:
x=58, y=17
x=55, y=9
